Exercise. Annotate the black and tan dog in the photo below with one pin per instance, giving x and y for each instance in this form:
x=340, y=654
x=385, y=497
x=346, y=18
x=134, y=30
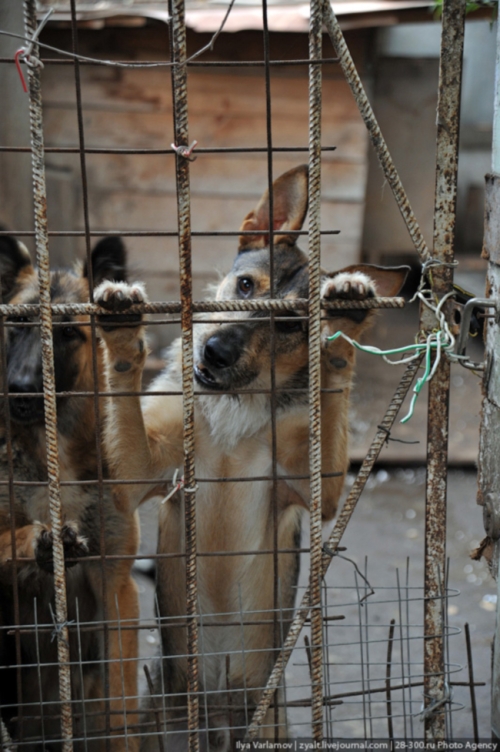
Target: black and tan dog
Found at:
x=233, y=439
x=25, y=531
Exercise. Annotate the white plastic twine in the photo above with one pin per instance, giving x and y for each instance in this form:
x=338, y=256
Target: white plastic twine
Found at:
x=440, y=341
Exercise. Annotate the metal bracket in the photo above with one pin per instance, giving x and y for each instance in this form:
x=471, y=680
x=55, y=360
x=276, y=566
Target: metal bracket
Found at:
x=491, y=515
x=466, y=316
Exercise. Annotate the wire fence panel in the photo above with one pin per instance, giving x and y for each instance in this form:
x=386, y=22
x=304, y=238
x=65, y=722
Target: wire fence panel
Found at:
x=251, y=633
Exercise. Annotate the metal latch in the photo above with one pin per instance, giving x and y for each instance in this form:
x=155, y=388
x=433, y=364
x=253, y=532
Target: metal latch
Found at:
x=465, y=323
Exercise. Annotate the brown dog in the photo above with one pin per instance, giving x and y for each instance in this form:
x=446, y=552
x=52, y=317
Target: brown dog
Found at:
x=233, y=439
x=25, y=531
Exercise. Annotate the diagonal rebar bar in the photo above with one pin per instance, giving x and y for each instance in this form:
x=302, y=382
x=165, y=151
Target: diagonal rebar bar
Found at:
x=378, y=141
x=333, y=543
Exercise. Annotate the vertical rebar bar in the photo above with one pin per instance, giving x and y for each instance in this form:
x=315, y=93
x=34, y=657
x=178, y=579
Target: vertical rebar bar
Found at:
x=315, y=574
x=388, y=671
x=180, y=102
x=12, y=512
x=450, y=77
x=401, y=653
x=39, y=673
x=95, y=370
x=470, y=668
x=49, y=388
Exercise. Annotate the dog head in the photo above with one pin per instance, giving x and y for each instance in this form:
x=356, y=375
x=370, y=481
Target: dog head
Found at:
x=239, y=352
x=72, y=342
x=237, y=355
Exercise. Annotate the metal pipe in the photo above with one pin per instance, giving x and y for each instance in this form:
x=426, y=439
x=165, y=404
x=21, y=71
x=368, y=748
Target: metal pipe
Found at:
x=448, y=114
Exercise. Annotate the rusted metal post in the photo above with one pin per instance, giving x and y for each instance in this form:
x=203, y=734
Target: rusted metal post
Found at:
x=179, y=93
x=315, y=573
x=49, y=387
x=489, y=448
x=448, y=114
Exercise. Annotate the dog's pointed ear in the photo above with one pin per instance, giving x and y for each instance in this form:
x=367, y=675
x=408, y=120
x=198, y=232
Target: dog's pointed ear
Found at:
x=290, y=197
x=15, y=261
x=388, y=280
x=109, y=261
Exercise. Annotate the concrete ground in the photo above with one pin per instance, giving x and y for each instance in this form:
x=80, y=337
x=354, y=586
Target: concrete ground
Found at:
x=385, y=539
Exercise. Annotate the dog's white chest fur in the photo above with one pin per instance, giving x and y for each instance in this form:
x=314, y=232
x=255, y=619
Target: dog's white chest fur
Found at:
x=231, y=419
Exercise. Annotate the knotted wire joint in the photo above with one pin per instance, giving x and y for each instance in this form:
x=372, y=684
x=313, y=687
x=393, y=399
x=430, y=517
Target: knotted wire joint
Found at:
x=431, y=710
x=25, y=54
x=177, y=485
x=389, y=438
x=185, y=151
x=59, y=627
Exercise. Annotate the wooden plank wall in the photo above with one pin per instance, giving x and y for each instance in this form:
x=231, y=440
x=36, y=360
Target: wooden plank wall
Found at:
x=133, y=108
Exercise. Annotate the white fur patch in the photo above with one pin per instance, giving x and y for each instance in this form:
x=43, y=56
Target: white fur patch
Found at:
x=136, y=292
x=231, y=419
x=344, y=281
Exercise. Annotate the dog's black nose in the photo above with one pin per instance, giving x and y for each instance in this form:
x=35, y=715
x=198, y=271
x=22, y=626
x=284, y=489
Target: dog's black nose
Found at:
x=221, y=352
x=22, y=386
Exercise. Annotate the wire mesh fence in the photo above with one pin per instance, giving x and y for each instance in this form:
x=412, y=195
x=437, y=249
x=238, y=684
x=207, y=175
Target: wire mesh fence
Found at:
x=246, y=653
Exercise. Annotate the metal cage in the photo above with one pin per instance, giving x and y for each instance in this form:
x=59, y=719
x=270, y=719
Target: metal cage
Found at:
x=377, y=691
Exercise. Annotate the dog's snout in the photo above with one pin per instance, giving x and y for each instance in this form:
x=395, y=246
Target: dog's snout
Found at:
x=221, y=352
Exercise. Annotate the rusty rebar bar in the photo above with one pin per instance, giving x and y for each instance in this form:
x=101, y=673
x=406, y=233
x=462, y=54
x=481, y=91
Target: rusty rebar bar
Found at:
x=448, y=113
x=202, y=306
x=315, y=511
x=388, y=688
x=376, y=136
x=181, y=131
x=472, y=685
x=50, y=407
x=333, y=543
x=95, y=364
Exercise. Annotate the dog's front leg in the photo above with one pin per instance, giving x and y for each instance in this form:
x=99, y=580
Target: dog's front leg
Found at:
x=128, y=447
x=123, y=606
x=35, y=542
x=337, y=371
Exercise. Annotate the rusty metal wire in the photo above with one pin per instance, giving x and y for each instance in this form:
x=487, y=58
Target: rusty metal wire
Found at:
x=42, y=254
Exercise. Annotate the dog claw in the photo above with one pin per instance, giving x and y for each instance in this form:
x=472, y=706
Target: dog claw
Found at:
x=348, y=286
x=117, y=297
x=75, y=547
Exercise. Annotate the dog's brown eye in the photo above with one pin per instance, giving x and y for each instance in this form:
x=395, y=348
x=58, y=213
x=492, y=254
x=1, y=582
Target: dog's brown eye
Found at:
x=245, y=287
x=69, y=332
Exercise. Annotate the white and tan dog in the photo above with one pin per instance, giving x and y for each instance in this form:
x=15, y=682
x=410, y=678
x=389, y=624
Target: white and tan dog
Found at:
x=233, y=439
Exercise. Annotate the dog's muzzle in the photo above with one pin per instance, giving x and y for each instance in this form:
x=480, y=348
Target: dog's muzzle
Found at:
x=25, y=409
x=220, y=353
